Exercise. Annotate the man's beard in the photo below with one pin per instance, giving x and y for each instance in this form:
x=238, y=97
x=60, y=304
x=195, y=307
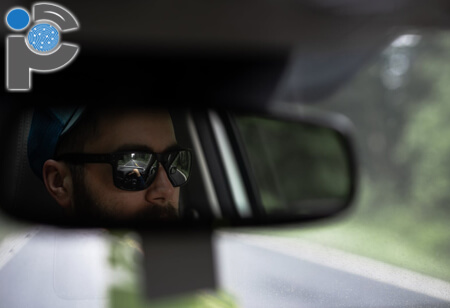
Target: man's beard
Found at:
x=87, y=209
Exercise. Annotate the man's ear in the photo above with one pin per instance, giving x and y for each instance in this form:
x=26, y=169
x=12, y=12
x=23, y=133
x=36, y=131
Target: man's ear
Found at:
x=58, y=181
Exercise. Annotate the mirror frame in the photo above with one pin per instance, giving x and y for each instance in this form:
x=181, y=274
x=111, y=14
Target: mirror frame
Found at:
x=282, y=111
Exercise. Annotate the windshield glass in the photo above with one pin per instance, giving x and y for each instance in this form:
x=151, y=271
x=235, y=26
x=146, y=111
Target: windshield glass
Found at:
x=399, y=104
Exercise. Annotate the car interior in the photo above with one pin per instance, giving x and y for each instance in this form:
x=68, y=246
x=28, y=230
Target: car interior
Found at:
x=241, y=80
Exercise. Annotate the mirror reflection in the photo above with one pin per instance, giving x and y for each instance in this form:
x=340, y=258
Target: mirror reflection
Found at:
x=299, y=168
x=145, y=164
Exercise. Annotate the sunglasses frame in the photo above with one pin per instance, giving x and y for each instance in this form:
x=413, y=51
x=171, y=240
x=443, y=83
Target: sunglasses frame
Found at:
x=113, y=160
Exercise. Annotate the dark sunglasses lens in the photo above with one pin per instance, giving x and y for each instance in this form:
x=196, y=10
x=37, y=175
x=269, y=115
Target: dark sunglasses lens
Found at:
x=179, y=167
x=136, y=171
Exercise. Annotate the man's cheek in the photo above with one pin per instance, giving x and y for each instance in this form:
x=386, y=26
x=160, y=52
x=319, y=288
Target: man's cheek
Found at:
x=99, y=175
x=176, y=198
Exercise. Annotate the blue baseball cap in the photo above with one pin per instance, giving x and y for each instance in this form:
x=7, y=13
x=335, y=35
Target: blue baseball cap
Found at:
x=47, y=126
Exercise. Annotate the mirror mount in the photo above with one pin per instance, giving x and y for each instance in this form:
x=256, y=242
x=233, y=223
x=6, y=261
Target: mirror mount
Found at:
x=173, y=259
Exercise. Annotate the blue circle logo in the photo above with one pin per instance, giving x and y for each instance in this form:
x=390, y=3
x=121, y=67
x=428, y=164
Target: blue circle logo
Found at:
x=43, y=37
x=18, y=19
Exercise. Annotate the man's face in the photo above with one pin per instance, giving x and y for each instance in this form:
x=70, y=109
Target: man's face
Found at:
x=95, y=194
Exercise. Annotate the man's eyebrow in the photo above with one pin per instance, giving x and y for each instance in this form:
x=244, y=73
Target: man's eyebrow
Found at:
x=142, y=147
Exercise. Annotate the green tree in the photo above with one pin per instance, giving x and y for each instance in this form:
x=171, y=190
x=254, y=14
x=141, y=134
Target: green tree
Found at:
x=426, y=143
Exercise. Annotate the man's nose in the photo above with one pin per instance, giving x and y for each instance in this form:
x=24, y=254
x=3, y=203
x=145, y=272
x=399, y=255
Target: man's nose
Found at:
x=161, y=191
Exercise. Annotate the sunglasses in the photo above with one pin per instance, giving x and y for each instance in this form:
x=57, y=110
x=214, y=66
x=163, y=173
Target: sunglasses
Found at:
x=136, y=170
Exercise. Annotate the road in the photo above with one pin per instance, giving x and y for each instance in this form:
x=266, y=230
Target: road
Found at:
x=42, y=268
x=265, y=271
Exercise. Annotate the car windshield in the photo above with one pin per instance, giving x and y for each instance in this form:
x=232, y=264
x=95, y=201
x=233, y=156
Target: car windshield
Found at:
x=399, y=104
x=398, y=230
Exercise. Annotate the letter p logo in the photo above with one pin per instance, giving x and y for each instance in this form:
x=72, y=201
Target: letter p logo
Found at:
x=41, y=50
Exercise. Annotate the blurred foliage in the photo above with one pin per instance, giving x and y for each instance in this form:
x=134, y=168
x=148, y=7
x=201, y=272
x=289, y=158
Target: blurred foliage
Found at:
x=400, y=105
x=426, y=145
x=202, y=299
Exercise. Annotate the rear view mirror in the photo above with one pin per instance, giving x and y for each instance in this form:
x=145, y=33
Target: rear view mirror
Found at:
x=217, y=168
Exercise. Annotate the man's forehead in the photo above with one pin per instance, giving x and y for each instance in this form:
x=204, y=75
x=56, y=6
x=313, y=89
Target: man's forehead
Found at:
x=142, y=147
x=130, y=117
x=135, y=129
